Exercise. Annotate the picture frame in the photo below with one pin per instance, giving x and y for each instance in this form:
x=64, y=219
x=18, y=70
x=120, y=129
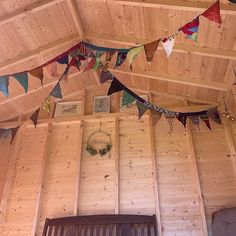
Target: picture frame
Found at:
x=68, y=109
x=101, y=104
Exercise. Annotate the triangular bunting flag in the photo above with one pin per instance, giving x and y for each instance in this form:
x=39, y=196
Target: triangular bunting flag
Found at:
x=56, y=92
x=171, y=121
x=96, y=65
x=182, y=118
x=191, y=29
x=99, y=53
x=34, y=117
x=205, y=119
x=22, y=78
x=52, y=69
x=155, y=116
x=150, y=49
x=90, y=65
x=46, y=106
x=105, y=76
x=38, y=73
x=109, y=56
x=75, y=62
x=214, y=115
x=13, y=133
x=127, y=98
x=116, y=86
x=168, y=44
x=63, y=60
x=4, y=83
x=121, y=57
x=133, y=53
x=141, y=109
x=213, y=13
x=195, y=121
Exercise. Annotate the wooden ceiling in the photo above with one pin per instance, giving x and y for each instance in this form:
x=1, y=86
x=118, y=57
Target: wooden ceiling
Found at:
x=32, y=32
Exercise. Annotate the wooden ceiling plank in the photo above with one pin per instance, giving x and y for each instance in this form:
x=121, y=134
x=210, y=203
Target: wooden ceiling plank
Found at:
x=76, y=17
x=180, y=80
x=181, y=5
x=35, y=7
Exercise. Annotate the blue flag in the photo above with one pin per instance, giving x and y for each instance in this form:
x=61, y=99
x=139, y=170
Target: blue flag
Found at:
x=22, y=78
x=4, y=82
x=56, y=92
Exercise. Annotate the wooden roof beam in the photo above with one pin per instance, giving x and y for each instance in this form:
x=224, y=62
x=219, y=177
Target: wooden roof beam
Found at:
x=179, y=80
x=181, y=5
x=183, y=48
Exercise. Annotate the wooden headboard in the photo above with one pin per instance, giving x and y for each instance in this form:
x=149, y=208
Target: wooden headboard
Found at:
x=101, y=225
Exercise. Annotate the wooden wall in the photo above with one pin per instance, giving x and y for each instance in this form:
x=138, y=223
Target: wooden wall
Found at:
x=182, y=178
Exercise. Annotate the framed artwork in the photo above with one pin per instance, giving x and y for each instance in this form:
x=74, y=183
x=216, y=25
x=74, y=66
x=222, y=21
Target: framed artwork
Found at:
x=66, y=109
x=101, y=104
x=132, y=105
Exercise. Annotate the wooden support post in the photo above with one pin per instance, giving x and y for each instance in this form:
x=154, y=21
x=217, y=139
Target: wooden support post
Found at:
x=42, y=180
x=117, y=164
x=196, y=178
x=79, y=168
x=155, y=178
x=10, y=175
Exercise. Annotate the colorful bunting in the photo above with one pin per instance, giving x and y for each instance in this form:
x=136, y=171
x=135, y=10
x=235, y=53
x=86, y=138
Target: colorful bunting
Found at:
x=214, y=115
x=4, y=83
x=195, y=121
x=105, y=76
x=155, y=116
x=96, y=65
x=141, y=109
x=46, y=106
x=91, y=64
x=56, y=92
x=121, y=57
x=150, y=49
x=22, y=78
x=213, y=13
x=13, y=133
x=133, y=53
x=34, y=117
x=191, y=29
x=127, y=98
x=168, y=44
x=63, y=60
x=38, y=73
x=52, y=69
x=205, y=119
x=116, y=86
x=182, y=117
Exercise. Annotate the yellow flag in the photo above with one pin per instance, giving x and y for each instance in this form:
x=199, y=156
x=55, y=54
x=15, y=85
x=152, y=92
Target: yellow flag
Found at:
x=46, y=106
x=133, y=53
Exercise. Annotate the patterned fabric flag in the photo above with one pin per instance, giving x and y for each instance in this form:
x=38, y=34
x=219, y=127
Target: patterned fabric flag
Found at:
x=46, y=106
x=214, y=115
x=75, y=62
x=155, y=116
x=133, y=53
x=191, y=29
x=22, y=78
x=13, y=133
x=150, y=49
x=90, y=65
x=63, y=60
x=56, y=92
x=34, y=117
x=195, y=121
x=213, y=13
x=105, y=76
x=205, y=119
x=168, y=44
x=121, y=57
x=38, y=73
x=52, y=69
x=182, y=117
x=141, y=109
x=171, y=121
x=4, y=83
x=116, y=86
x=109, y=56
x=127, y=98
x=96, y=65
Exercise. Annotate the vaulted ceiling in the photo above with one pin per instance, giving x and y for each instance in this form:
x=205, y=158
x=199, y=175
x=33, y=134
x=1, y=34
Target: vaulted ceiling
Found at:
x=32, y=32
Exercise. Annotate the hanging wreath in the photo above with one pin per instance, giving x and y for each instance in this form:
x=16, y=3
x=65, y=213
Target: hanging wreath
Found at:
x=104, y=146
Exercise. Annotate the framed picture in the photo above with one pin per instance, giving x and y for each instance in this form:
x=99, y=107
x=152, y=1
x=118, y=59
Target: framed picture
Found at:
x=101, y=104
x=132, y=105
x=66, y=109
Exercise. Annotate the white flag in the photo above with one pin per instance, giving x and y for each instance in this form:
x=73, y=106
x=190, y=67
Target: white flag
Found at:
x=168, y=44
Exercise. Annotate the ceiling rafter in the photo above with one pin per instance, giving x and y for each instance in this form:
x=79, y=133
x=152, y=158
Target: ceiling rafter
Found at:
x=182, y=5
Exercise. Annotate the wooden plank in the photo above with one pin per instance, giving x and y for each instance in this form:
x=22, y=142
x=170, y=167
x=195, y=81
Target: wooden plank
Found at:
x=155, y=178
x=196, y=178
x=10, y=175
x=117, y=164
x=182, y=5
x=79, y=168
x=42, y=181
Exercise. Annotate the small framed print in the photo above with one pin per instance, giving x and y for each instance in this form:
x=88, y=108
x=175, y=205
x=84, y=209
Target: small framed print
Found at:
x=101, y=104
x=66, y=109
x=131, y=106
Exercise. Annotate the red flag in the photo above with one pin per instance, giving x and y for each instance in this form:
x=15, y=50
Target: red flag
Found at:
x=213, y=13
x=34, y=117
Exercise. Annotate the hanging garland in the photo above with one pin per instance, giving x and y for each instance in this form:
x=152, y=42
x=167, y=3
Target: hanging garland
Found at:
x=93, y=150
